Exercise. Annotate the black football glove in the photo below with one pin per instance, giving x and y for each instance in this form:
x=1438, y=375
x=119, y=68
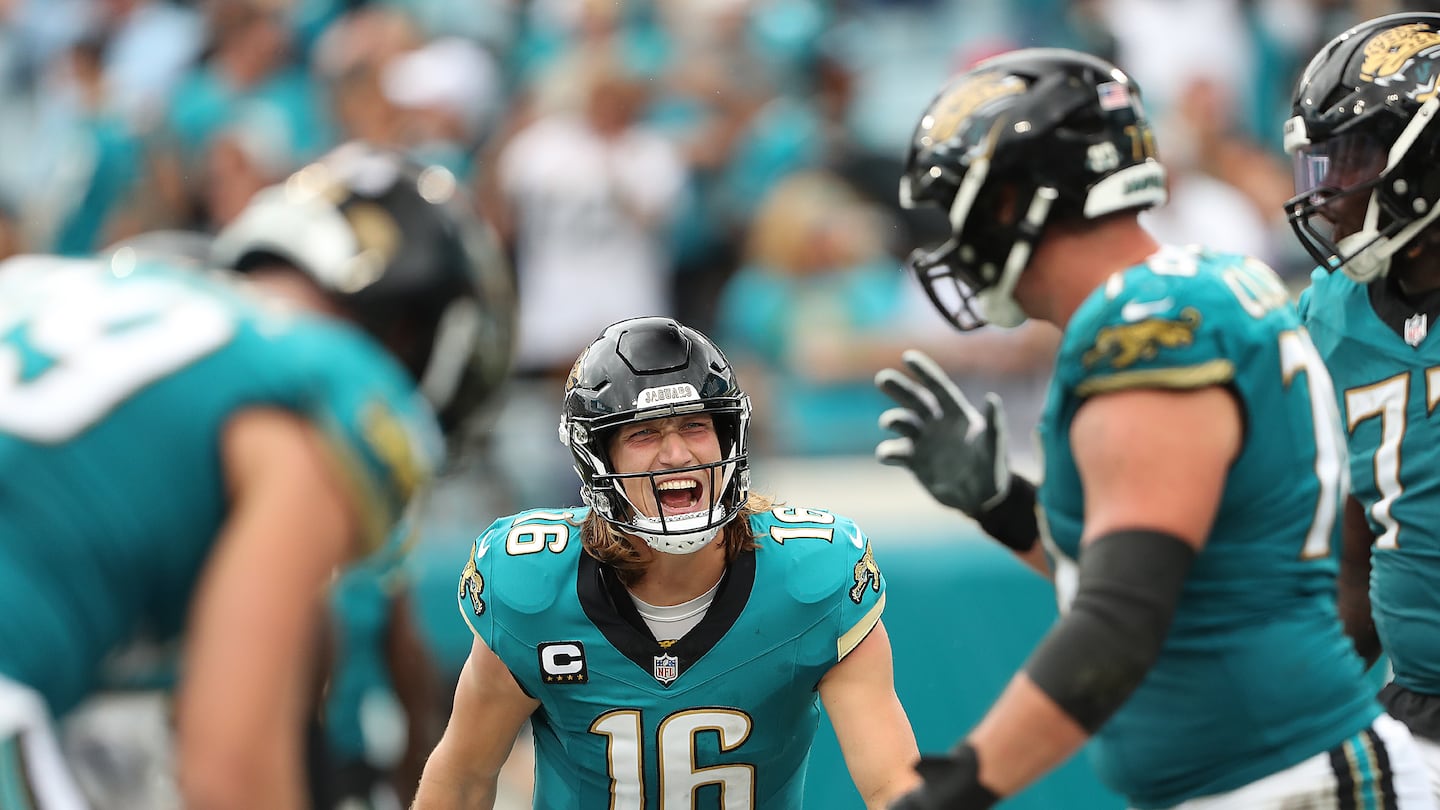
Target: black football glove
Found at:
x=957, y=453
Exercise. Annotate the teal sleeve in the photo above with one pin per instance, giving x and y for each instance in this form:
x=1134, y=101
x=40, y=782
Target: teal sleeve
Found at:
x=471, y=595
x=863, y=598
x=1151, y=335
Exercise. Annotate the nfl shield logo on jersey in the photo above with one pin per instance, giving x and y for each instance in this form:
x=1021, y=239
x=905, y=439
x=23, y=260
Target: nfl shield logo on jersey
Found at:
x=1417, y=326
x=667, y=669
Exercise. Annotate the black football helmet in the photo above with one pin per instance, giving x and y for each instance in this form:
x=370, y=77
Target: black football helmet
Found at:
x=1365, y=144
x=1016, y=142
x=392, y=243
x=650, y=368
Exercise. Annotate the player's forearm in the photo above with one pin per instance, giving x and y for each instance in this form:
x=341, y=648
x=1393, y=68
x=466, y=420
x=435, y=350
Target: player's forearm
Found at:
x=455, y=796
x=1354, y=582
x=1354, y=607
x=883, y=768
x=447, y=784
x=236, y=782
x=1025, y=736
x=883, y=795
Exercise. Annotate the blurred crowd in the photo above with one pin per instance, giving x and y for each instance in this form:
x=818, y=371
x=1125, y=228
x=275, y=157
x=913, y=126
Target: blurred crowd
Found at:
x=730, y=162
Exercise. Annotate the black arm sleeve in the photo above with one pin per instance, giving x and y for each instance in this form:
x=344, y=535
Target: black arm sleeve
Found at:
x=1012, y=521
x=1130, y=582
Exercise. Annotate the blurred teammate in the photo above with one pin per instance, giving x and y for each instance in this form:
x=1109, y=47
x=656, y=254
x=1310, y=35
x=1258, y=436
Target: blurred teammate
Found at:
x=669, y=639
x=192, y=452
x=1367, y=157
x=382, y=710
x=1193, y=471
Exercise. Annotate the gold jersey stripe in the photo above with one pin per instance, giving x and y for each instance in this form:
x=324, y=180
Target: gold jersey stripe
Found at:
x=1211, y=372
x=862, y=628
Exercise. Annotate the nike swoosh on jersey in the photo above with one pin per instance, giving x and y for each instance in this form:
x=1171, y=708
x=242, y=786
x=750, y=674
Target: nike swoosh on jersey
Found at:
x=1140, y=310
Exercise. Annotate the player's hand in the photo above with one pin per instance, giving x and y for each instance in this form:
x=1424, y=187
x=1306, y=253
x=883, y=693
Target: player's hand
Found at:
x=951, y=782
x=957, y=452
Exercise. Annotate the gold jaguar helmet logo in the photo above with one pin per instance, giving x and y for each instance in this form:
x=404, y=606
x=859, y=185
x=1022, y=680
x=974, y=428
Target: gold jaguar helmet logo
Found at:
x=573, y=379
x=1404, y=57
x=960, y=101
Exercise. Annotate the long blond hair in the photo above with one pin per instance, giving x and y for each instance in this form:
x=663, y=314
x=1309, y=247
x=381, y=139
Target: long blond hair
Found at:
x=618, y=550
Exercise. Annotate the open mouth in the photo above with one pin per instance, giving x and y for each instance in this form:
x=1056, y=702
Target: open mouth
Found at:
x=679, y=496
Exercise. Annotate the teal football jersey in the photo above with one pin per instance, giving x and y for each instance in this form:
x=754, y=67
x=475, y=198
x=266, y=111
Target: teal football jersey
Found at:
x=723, y=717
x=1255, y=674
x=1388, y=383
x=115, y=388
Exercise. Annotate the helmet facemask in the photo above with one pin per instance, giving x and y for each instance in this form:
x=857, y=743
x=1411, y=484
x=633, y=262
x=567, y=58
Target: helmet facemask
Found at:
x=725, y=481
x=970, y=278
x=1358, y=167
x=643, y=369
x=1020, y=142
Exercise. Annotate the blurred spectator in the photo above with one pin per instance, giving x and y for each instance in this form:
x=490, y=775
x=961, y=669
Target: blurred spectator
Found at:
x=151, y=44
x=350, y=57
x=360, y=107
x=741, y=130
x=583, y=192
x=871, y=172
x=251, y=153
x=248, y=65
x=1225, y=190
x=1168, y=44
x=369, y=35
x=820, y=305
x=810, y=313
x=584, y=197
x=448, y=96
x=554, y=31
x=92, y=163
x=491, y=23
